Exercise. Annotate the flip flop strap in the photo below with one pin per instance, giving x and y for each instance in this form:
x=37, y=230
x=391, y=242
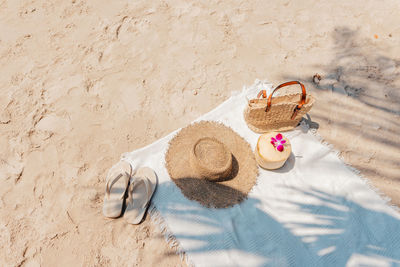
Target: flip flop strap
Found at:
x=108, y=185
x=147, y=184
x=113, y=180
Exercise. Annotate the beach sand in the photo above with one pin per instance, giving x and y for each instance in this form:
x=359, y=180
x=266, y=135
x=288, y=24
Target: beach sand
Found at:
x=82, y=82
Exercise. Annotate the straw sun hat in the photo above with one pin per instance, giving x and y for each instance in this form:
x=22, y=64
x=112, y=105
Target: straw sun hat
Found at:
x=211, y=164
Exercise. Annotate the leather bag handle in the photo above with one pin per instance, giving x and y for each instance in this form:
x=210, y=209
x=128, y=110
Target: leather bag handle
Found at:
x=298, y=107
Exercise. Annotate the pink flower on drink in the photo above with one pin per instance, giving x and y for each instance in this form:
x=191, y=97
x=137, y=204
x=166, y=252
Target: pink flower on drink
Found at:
x=278, y=142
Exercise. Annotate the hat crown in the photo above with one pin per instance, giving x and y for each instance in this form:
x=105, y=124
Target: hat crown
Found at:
x=211, y=159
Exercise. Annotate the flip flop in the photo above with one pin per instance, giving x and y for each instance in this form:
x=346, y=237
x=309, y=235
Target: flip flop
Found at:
x=116, y=184
x=141, y=189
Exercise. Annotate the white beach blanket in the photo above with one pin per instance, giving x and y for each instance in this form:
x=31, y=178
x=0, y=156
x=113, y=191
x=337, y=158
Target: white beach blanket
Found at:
x=315, y=211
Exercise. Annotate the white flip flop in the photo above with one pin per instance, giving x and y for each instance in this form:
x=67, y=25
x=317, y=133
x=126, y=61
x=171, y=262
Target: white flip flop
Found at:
x=116, y=184
x=141, y=189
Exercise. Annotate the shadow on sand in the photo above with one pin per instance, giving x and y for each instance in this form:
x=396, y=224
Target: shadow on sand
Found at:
x=360, y=101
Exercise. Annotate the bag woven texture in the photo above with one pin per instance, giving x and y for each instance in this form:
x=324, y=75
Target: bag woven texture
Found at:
x=281, y=115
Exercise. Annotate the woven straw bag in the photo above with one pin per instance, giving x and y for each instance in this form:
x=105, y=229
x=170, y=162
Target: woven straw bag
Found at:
x=281, y=113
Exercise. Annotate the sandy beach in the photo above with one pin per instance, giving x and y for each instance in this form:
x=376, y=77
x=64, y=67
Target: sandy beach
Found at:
x=82, y=82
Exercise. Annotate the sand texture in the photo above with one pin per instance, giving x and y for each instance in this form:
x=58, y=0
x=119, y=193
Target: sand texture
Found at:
x=83, y=81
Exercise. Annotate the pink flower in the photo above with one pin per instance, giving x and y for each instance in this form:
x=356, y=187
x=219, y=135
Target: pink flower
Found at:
x=278, y=142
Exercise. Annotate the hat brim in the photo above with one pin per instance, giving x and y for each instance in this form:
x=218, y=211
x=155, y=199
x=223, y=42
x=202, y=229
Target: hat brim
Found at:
x=224, y=193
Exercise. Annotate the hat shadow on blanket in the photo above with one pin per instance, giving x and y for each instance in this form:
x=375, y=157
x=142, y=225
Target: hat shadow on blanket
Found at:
x=342, y=229
x=209, y=193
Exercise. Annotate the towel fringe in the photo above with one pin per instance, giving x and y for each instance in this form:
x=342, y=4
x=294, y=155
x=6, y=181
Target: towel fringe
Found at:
x=172, y=242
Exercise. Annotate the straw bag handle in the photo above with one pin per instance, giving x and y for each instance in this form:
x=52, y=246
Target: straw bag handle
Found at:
x=298, y=107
